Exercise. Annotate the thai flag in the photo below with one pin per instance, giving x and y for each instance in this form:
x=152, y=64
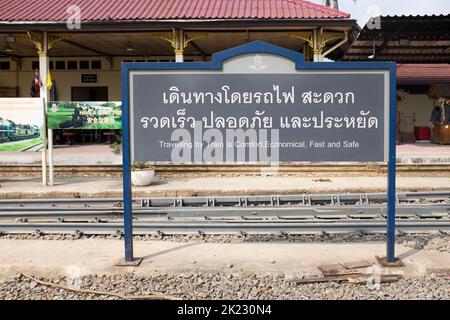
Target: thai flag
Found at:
x=37, y=81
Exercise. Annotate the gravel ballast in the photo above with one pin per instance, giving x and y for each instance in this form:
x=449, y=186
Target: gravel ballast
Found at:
x=226, y=286
x=230, y=284
x=439, y=241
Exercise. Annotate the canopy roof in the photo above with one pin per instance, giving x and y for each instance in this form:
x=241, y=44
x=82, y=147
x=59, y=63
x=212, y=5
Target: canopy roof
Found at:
x=144, y=10
x=423, y=73
x=405, y=39
x=131, y=27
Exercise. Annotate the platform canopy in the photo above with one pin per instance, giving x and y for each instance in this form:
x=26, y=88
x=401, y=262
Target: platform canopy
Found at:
x=405, y=39
x=130, y=27
x=419, y=73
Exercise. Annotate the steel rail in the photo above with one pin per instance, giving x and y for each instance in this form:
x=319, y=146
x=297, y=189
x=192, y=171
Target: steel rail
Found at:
x=215, y=227
x=229, y=214
x=275, y=200
x=291, y=212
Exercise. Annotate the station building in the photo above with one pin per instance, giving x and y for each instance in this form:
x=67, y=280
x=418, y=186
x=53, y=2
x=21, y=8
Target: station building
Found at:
x=154, y=31
x=82, y=43
x=421, y=47
x=85, y=60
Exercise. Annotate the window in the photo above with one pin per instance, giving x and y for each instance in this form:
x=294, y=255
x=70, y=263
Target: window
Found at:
x=5, y=65
x=84, y=65
x=140, y=60
x=51, y=65
x=72, y=65
x=34, y=65
x=96, y=64
x=60, y=65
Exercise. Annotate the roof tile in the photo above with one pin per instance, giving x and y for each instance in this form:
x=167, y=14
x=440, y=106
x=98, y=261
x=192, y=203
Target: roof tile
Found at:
x=102, y=10
x=423, y=73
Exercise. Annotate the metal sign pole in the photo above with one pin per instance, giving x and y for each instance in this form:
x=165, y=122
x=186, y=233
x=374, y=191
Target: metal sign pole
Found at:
x=126, y=163
x=50, y=157
x=391, y=196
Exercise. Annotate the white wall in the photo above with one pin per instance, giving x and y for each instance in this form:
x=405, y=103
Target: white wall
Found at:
x=9, y=79
x=420, y=104
x=65, y=79
x=109, y=76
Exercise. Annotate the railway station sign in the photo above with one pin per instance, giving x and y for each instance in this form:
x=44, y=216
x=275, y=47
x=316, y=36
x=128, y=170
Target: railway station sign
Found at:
x=258, y=103
x=259, y=109
x=84, y=115
x=22, y=124
x=88, y=78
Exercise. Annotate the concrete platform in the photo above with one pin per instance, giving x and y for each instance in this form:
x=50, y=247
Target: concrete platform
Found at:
x=23, y=188
x=67, y=155
x=414, y=153
x=423, y=152
x=98, y=257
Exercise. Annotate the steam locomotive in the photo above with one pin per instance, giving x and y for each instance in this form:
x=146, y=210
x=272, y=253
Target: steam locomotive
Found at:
x=9, y=131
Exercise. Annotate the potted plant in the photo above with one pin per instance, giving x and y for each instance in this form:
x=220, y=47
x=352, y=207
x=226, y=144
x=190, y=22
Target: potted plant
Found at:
x=141, y=174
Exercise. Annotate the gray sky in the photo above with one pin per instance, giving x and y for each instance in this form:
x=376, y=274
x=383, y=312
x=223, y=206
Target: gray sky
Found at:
x=362, y=10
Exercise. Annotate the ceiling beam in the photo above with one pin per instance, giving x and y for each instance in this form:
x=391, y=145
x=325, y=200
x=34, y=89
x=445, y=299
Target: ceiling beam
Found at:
x=82, y=46
x=400, y=54
x=7, y=54
x=389, y=37
x=412, y=35
x=203, y=53
x=369, y=47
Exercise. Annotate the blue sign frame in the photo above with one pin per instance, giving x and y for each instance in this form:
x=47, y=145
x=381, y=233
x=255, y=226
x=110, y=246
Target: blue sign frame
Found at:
x=216, y=64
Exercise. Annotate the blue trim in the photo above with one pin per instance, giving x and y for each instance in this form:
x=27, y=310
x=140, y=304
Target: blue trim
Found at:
x=216, y=64
x=126, y=163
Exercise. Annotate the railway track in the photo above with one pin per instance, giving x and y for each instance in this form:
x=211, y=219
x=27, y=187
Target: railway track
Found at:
x=416, y=212
x=214, y=170
x=35, y=147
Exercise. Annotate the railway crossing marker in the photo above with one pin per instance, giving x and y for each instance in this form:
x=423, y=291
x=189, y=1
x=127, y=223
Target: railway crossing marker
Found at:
x=258, y=103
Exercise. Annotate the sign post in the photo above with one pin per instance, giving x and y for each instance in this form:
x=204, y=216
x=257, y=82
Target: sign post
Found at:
x=126, y=164
x=391, y=197
x=258, y=103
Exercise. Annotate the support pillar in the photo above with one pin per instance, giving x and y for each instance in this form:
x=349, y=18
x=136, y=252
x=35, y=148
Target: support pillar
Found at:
x=43, y=43
x=43, y=70
x=317, y=40
x=179, y=57
x=43, y=73
x=317, y=50
x=179, y=45
x=179, y=40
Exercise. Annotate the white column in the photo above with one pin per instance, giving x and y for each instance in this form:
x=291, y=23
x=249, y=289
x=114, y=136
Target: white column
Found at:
x=316, y=46
x=179, y=57
x=43, y=71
